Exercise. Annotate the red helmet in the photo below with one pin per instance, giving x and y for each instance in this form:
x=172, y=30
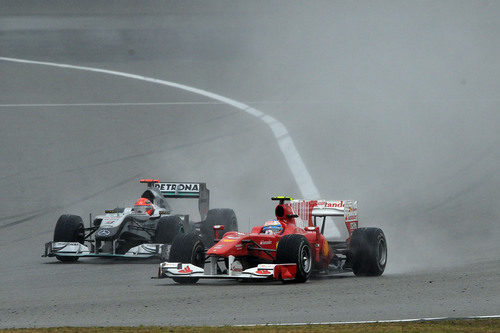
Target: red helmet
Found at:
x=144, y=206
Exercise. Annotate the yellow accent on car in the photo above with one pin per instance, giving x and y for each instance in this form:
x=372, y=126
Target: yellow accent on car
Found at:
x=325, y=248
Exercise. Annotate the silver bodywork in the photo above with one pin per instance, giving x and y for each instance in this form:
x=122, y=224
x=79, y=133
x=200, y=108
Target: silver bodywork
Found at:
x=67, y=249
x=103, y=239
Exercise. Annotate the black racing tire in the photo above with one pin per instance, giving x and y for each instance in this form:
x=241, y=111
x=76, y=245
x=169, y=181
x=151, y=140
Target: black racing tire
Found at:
x=167, y=228
x=295, y=249
x=188, y=227
x=69, y=228
x=218, y=216
x=368, y=249
x=187, y=248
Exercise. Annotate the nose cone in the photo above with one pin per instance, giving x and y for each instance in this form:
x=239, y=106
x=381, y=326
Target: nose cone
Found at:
x=230, y=244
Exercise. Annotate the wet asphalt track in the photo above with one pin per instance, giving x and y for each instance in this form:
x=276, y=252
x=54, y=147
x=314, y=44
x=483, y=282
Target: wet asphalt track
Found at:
x=373, y=108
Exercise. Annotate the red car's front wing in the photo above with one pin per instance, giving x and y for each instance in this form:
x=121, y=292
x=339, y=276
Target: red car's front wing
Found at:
x=262, y=271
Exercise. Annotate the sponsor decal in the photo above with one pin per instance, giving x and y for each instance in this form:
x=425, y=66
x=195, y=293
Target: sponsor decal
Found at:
x=266, y=242
x=104, y=232
x=339, y=204
x=186, y=270
x=178, y=187
x=170, y=265
x=228, y=240
x=263, y=272
x=108, y=222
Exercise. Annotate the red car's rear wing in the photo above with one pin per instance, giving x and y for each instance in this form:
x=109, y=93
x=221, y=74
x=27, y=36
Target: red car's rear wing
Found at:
x=308, y=209
x=183, y=190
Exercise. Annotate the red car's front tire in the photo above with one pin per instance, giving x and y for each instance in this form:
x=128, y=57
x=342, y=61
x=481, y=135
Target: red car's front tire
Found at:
x=295, y=249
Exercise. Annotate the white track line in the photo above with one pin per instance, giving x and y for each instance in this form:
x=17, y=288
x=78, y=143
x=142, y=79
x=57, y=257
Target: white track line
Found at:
x=141, y=103
x=108, y=104
x=373, y=321
x=297, y=166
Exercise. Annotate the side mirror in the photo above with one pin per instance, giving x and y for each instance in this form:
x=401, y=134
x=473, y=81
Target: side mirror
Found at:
x=217, y=228
x=312, y=229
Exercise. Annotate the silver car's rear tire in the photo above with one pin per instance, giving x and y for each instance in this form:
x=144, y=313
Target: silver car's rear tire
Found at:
x=218, y=216
x=167, y=229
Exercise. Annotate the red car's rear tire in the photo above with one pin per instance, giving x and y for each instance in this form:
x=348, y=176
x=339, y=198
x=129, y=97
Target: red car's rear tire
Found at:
x=368, y=248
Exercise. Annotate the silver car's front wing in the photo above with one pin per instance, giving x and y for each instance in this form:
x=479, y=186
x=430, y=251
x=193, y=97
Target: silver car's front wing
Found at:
x=73, y=249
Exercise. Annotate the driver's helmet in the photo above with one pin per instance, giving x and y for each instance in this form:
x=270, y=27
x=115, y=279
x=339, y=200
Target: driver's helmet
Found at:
x=272, y=227
x=144, y=206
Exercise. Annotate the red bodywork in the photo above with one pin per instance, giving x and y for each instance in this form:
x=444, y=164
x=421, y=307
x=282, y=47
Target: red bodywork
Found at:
x=253, y=244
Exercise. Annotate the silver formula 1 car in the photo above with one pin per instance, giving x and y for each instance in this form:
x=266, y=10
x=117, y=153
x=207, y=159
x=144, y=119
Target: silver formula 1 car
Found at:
x=143, y=231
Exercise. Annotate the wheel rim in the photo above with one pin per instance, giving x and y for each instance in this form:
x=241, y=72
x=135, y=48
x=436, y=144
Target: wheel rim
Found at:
x=382, y=252
x=305, y=258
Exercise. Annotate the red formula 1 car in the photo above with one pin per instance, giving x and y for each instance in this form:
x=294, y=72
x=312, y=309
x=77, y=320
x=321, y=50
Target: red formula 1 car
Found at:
x=289, y=248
